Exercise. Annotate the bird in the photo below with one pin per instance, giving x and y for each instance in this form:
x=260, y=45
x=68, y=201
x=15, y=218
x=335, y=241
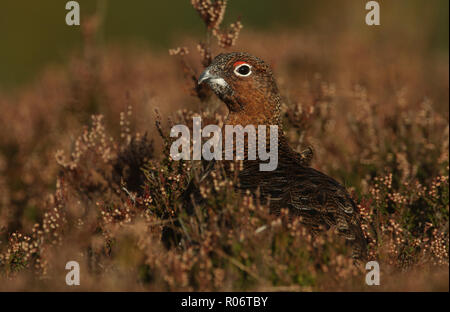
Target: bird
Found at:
x=246, y=84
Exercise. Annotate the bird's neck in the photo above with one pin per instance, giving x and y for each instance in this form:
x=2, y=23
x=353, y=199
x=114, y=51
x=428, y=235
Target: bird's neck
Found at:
x=257, y=113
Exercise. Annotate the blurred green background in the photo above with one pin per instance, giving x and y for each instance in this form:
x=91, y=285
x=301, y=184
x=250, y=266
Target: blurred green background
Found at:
x=34, y=34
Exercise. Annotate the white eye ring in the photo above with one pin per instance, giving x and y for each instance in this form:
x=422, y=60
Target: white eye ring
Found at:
x=241, y=75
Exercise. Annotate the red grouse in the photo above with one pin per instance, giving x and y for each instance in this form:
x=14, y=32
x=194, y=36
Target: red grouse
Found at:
x=247, y=86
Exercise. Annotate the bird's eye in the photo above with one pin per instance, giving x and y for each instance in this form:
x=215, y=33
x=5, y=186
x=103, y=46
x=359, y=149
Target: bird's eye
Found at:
x=243, y=70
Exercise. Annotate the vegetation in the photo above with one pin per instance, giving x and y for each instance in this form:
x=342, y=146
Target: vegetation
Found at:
x=85, y=173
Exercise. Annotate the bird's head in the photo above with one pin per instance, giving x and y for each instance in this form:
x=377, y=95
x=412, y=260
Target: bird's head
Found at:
x=246, y=85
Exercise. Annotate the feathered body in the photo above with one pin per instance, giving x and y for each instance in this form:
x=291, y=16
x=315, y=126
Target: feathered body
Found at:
x=252, y=97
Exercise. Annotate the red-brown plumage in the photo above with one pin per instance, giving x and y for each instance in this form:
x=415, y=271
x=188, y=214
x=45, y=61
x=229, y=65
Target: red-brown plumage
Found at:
x=252, y=98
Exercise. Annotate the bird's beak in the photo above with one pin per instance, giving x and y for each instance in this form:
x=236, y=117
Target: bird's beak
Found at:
x=212, y=79
x=206, y=75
